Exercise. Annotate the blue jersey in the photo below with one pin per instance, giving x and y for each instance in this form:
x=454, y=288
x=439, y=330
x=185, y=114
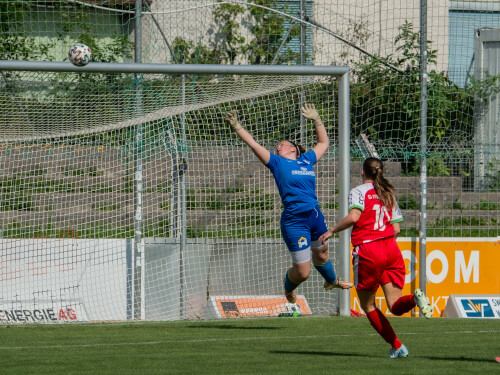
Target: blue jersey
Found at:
x=296, y=181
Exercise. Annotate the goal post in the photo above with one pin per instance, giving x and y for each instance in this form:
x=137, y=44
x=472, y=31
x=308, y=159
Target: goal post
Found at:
x=297, y=70
x=194, y=209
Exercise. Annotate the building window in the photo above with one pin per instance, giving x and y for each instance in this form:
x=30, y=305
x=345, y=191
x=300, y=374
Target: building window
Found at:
x=464, y=19
x=292, y=46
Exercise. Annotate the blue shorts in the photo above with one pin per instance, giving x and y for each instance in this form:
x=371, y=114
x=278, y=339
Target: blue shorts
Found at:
x=301, y=230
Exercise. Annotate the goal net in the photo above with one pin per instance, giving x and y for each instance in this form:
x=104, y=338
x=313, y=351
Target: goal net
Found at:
x=126, y=196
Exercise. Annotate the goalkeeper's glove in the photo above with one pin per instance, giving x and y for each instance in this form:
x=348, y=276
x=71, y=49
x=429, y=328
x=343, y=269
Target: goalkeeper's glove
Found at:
x=232, y=120
x=309, y=112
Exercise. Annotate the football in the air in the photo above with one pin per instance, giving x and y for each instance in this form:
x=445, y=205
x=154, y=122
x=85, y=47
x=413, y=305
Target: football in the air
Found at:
x=80, y=54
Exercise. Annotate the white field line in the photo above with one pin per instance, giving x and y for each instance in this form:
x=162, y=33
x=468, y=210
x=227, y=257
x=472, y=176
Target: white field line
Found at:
x=236, y=339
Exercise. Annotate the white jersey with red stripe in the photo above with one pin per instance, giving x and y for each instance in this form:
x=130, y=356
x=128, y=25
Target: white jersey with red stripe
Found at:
x=376, y=220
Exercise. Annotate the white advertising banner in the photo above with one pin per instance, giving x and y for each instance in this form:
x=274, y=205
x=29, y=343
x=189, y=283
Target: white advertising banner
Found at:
x=62, y=280
x=481, y=306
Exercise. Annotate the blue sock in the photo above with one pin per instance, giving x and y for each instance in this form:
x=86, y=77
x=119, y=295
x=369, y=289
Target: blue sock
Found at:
x=327, y=271
x=289, y=286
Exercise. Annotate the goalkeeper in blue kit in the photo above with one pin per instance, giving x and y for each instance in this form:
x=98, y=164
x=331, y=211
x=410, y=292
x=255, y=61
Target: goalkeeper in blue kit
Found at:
x=302, y=221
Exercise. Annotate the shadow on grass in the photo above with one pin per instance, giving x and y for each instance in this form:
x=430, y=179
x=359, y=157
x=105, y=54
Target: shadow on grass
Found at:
x=334, y=354
x=229, y=326
x=458, y=359
x=327, y=354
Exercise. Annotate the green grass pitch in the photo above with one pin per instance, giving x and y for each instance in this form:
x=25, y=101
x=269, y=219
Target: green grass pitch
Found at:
x=301, y=345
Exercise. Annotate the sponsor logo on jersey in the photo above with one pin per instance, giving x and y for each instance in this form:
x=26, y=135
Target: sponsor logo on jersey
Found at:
x=303, y=172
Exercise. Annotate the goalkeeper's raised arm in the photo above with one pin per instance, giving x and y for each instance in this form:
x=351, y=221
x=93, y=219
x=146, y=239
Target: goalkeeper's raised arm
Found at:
x=309, y=112
x=261, y=152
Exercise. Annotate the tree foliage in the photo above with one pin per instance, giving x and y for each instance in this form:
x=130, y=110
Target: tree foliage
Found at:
x=14, y=43
x=386, y=97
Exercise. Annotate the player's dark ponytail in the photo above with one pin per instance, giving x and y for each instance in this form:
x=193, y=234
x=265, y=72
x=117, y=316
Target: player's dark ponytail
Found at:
x=299, y=148
x=374, y=170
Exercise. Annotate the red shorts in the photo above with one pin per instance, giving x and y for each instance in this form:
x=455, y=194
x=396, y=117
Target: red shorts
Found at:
x=378, y=263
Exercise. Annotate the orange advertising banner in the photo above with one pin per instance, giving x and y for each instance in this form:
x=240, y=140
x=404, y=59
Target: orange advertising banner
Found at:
x=454, y=266
x=254, y=306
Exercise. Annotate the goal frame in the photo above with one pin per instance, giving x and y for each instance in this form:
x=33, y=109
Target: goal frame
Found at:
x=340, y=72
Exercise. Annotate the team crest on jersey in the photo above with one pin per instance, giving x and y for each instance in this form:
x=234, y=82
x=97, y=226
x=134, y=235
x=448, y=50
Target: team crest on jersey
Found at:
x=361, y=198
x=302, y=242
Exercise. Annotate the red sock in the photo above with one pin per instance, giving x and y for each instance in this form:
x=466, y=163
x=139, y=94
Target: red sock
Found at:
x=403, y=305
x=383, y=327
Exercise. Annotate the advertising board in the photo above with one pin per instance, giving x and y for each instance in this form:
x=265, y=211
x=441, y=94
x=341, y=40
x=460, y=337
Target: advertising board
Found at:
x=254, y=306
x=454, y=266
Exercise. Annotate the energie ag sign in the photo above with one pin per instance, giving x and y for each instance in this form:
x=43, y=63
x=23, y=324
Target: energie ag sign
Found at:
x=18, y=313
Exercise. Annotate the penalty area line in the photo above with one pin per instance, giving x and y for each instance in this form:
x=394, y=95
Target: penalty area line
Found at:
x=235, y=339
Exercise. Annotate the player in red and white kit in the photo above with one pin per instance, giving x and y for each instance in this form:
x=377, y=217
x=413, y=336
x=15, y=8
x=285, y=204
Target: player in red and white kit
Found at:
x=374, y=215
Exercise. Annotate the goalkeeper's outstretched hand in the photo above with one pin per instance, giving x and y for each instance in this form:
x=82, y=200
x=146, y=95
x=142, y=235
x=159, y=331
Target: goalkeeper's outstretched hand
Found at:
x=308, y=111
x=232, y=120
